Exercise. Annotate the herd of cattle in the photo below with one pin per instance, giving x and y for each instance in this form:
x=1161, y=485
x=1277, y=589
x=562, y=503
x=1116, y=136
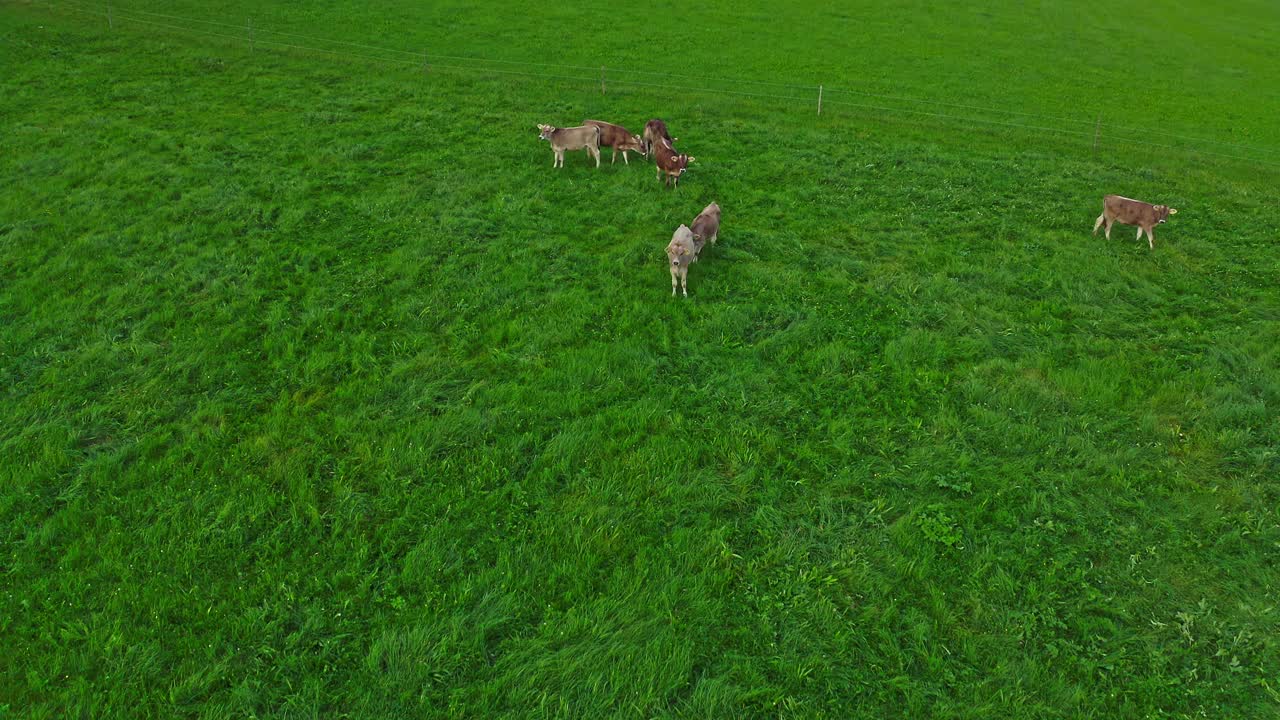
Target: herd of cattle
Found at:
x=687, y=241
x=592, y=134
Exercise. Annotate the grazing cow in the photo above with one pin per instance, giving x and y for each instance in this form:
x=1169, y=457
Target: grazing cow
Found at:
x=655, y=131
x=575, y=138
x=682, y=251
x=1132, y=212
x=618, y=138
x=706, y=226
x=670, y=163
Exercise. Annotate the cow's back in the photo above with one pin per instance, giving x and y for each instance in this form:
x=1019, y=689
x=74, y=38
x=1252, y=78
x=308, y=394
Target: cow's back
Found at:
x=610, y=134
x=708, y=222
x=1126, y=210
x=655, y=132
x=657, y=128
x=577, y=137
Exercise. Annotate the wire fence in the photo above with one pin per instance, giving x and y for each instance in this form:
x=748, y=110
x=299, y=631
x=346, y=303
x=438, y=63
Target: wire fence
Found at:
x=253, y=36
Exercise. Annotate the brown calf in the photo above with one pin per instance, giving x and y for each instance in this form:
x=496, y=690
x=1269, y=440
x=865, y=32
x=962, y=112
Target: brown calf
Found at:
x=670, y=163
x=706, y=226
x=1132, y=212
x=618, y=138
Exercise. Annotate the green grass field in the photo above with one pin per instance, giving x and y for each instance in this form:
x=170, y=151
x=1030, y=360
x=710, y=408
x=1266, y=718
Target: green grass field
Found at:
x=324, y=396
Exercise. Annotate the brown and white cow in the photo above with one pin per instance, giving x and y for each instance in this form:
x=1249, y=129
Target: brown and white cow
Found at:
x=669, y=162
x=618, y=138
x=706, y=227
x=1132, y=212
x=575, y=138
x=682, y=251
x=655, y=131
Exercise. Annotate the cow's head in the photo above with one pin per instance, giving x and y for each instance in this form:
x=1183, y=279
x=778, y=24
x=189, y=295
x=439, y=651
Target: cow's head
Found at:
x=1163, y=212
x=676, y=254
x=544, y=132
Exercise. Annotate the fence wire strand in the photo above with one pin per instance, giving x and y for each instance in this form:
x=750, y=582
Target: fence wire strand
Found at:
x=1078, y=121
x=428, y=60
x=1061, y=131
x=420, y=54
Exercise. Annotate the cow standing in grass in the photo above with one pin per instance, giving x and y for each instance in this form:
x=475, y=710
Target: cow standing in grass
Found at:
x=1132, y=212
x=655, y=131
x=682, y=252
x=670, y=162
x=575, y=138
x=618, y=138
x=706, y=227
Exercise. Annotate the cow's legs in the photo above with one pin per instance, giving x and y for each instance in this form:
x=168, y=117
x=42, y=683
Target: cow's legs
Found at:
x=624, y=158
x=1099, y=223
x=674, y=281
x=684, y=280
x=1109, y=224
x=1151, y=238
x=595, y=151
x=714, y=236
x=1139, y=233
x=614, y=157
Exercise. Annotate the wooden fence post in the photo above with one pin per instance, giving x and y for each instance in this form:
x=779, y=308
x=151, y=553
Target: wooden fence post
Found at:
x=819, y=99
x=1097, y=128
x=601, y=79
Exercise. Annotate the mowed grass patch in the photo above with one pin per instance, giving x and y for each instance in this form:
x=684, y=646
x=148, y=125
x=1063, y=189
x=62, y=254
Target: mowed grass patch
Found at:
x=327, y=395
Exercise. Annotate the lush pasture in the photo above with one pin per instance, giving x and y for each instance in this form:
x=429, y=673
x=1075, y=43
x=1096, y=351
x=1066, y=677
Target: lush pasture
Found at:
x=324, y=395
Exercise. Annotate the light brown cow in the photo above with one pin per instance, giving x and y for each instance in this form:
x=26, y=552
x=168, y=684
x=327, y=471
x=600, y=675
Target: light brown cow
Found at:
x=706, y=227
x=669, y=162
x=575, y=138
x=1132, y=212
x=618, y=138
x=682, y=251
